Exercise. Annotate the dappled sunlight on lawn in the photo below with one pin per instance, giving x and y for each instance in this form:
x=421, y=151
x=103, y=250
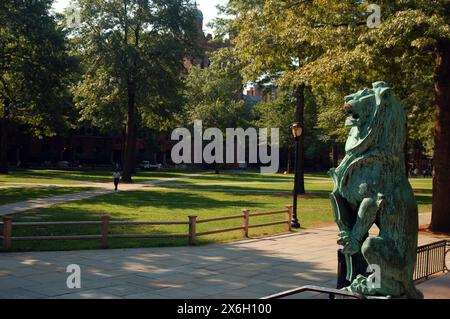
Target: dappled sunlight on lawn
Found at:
x=205, y=196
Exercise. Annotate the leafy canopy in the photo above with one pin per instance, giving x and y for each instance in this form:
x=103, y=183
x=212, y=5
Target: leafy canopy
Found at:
x=132, y=45
x=35, y=68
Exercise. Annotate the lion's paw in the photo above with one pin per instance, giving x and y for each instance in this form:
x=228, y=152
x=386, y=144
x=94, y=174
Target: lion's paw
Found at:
x=360, y=285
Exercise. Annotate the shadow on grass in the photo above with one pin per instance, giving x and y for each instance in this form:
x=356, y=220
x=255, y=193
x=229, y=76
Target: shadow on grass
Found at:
x=167, y=199
x=19, y=194
x=245, y=190
x=423, y=191
x=233, y=176
x=424, y=200
x=95, y=176
x=75, y=175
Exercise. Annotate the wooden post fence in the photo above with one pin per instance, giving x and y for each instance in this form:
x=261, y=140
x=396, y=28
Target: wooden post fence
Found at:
x=7, y=233
x=105, y=231
x=289, y=218
x=246, y=213
x=106, y=223
x=192, y=229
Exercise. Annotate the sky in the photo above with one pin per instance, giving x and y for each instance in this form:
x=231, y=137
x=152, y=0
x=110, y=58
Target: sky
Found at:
x=208, y=7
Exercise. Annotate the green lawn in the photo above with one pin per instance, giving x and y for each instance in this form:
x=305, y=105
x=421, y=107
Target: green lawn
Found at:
x=19, y=194
x=205, y=196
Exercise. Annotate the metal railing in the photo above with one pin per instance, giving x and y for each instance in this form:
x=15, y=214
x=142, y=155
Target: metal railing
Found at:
x=331, y=292
x=431, y=259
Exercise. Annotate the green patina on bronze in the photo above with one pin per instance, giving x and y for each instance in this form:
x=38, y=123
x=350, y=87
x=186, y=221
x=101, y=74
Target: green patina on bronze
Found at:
x=371, y=187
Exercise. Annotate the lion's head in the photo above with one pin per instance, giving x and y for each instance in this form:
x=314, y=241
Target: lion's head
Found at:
x=377, y=119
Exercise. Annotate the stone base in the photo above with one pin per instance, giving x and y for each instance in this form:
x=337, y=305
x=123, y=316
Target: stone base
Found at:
x=375, y=297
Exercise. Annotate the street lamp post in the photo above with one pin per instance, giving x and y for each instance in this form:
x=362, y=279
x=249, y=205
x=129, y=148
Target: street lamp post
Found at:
x=297, y=131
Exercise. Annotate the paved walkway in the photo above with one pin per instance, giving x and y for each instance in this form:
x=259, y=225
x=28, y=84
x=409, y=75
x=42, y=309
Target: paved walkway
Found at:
x=247, y=269
x=104, y=188
x=437, y=288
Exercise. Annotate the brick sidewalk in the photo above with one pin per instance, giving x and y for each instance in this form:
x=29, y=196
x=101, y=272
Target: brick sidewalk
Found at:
x=246, y=269
x=436, y=288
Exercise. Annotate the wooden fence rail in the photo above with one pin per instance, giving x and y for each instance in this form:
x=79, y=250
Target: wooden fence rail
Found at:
x=7, y=225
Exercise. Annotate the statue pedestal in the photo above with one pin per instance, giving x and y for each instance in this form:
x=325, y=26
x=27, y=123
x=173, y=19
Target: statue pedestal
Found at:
x=374, y=297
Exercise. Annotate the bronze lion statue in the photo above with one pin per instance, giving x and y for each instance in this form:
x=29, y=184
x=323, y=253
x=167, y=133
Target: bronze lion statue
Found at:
x=371, y=187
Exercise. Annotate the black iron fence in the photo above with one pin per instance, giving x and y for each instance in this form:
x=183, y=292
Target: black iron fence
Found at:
x=431, y=259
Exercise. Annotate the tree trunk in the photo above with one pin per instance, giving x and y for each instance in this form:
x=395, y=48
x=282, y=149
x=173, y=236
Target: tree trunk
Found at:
x=4, y=141
x=299, y=114
x=133, y=150
x=134, y=70
x=122, y=145
x=440, y=220
x=335, y=154
x=216, y=168
x=130, y=137
x=130, y=133
x=406, y=153
x=289, y=169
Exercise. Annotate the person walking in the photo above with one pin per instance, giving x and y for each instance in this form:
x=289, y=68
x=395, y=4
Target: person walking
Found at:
x=116, y=176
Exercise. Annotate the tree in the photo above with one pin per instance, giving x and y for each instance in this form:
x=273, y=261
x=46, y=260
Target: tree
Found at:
x=413, y=33
x=34, y=70
x=132, y=53
x=279, y=113
x=214, y=95
x=441, y=182
x=281, y=38
x=341, y=54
